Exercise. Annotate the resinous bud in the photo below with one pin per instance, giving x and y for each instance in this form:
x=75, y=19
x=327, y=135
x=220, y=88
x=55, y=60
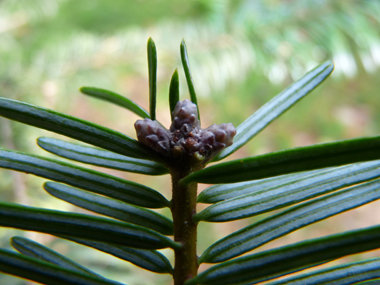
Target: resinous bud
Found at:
x=185, y=137
x=153, y=135
x=185, y=113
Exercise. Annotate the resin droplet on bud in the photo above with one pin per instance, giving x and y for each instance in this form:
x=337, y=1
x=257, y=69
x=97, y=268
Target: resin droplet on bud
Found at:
x=185, y=138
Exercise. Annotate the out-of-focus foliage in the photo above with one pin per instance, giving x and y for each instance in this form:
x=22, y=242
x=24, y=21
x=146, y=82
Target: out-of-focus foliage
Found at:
x=227, y=39
x=241, y=52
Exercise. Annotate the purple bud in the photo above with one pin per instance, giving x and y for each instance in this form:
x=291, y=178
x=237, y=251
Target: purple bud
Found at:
x=230, y=131
x=185, y=138
x=185, y=112
x=153, y=135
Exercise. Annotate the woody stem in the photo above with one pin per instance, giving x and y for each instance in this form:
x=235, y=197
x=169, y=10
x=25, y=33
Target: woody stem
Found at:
x=185, y=230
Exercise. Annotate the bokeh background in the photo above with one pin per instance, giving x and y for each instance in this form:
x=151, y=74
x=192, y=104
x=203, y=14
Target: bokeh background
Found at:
x=242, y=53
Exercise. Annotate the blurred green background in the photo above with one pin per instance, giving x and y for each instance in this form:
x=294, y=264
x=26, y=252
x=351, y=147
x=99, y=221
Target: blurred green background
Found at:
x=242, y=53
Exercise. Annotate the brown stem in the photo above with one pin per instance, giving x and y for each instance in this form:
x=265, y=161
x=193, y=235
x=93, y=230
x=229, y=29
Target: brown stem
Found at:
x=185, y=230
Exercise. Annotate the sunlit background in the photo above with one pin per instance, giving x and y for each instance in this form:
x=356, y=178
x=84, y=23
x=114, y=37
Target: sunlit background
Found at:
x=242, y=53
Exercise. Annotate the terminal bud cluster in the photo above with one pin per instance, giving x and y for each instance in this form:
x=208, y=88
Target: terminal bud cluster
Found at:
x=185, y=138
